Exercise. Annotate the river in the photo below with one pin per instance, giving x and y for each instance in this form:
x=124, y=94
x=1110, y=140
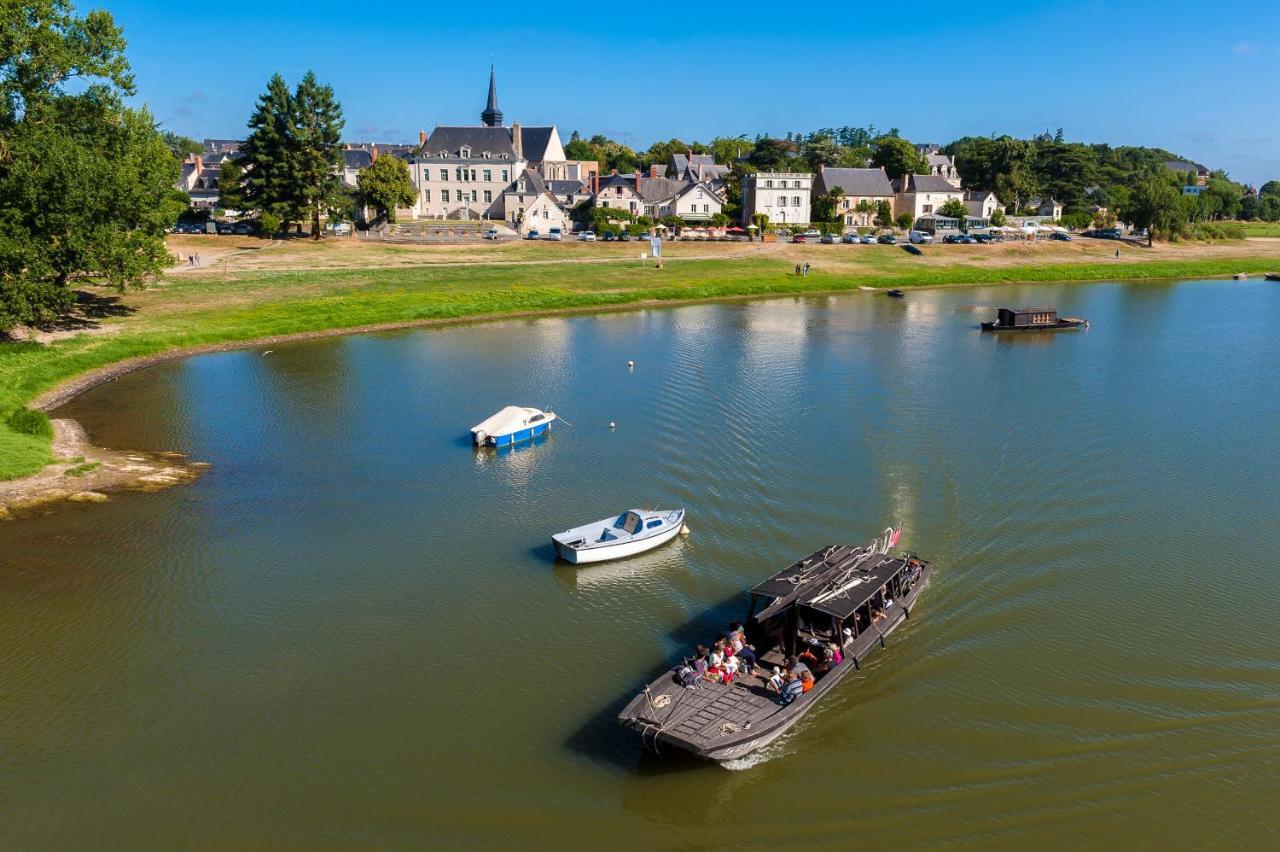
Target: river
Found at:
x=350, y=632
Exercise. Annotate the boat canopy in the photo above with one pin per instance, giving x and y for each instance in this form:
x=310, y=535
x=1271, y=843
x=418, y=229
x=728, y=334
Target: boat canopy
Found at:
x=510, y=419
x=835, y=580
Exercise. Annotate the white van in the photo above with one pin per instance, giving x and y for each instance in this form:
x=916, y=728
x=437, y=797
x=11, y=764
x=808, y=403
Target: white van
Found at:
x=919, y=237
x=554, y=234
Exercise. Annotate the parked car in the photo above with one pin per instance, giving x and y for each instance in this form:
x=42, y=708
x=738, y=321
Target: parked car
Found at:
x=983, y=238
x=867, y=240
x=624, y=237
x=587, y=236
x=555, y=234
x=1060, y=237
x=828, y=240
x=850, y=239
x=246, y=228
x=644, y=235
x=813, y=232
x=532, y=235
x=887, y=240
x=952, y=239
x=610, y=236
x=226, y=228
x=960, y=239
x=920, y=237
x=491, y=234
x=800, y=238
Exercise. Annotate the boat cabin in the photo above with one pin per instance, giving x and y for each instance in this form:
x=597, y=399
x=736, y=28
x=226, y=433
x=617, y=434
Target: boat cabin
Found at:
x=814, y=601
x=1027, y=317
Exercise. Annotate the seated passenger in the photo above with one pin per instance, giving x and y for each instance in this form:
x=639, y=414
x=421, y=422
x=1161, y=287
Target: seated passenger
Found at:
x=808, y=658
x=876, y=613
x=806, y=682
x=699, y=661
x=825, y=664
x=722, y=645
x=777, y=681
x=794, y=665
x=793, y=690
x=837, y=656
x=730, y=669
x=847, y=634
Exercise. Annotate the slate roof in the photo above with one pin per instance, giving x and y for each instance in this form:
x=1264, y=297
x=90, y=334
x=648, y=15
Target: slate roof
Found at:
x=1184, y=166
x=495, y=140
x=534, y=142
x=853, y=182
x=357, y=159
x=924, y=183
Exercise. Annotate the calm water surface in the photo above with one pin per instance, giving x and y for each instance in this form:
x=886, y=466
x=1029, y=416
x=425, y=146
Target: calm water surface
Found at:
x=350, y=633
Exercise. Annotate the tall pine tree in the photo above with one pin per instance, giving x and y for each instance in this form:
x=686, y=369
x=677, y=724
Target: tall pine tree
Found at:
x=267, y=184
x=316, y=149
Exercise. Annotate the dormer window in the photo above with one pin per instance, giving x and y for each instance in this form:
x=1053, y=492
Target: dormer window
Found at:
x=444, y=154
x=464, y=153
x=486, y=155
x=504, y=156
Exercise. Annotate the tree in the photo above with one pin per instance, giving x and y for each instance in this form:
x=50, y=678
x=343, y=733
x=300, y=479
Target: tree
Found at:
x=824, y=208
x=998, y=219
x=1157, y=206
x=1271, y=187
x=181, y=146
x=884, y=215
x=231, y=186
x=316, y=149
x=953, y=208
x=86, y=184
x=268, y=185
x=898, y=157
x=904, y=221
x=773, y=155
x=385, y=185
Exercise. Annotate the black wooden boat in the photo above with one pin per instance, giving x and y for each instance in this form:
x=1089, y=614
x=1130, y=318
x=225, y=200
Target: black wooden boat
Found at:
x=895, y=294
x=810, y=603
x=1273, y=276
x=1032, y=319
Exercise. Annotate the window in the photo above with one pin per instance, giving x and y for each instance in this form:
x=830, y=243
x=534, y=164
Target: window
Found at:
x=464, y=153
x=488, y=175
x=444, y=174
x=444, y=196
x=699, y=195
x=504, y=175
x=768, y=184
x=706, y=208
x=653, y=524
x=604, y=203
x=485, y=154
x=473, y=195
x=782, y=201
x=795, y=184
x=488, y=196
x=473, y=174
x=928, y=208
x=426, y=196
x=795, y=201
x=459, y=174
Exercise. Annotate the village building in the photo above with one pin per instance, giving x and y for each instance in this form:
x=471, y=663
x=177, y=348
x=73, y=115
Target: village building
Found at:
x=923, y=195
x=782, y=196
x=861, y=192
x=657, y=197
x=943, y=166
x=529, y=199
x=696, y=167
x=981, y=203
x=1048, y=208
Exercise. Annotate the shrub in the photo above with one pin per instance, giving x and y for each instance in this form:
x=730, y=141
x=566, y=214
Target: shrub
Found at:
x=270, y=224
x=29, y=422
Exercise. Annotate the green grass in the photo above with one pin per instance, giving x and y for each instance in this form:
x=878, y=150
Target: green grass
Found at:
x=1261, y=229
x=190, y=311
x=81, y=469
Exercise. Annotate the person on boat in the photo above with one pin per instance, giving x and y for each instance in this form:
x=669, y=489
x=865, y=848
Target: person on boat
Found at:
x=793, y=690
x=847, y=633
x=876, y=613
x=777, y=681
x=827, y=662
x=795, y=666
x=699, y=662
x=837, y=656
x=806, y=681
x=809, y=659
x=745, y=653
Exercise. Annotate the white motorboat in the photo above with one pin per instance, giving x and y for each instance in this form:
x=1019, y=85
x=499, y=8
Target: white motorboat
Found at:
x=512, y=425
x=632, y=532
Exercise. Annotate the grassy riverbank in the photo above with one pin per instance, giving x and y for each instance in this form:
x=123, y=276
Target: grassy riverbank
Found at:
x=248, y=293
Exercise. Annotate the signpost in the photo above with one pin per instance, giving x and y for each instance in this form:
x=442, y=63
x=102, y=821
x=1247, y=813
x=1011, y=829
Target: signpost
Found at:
x=655, y=244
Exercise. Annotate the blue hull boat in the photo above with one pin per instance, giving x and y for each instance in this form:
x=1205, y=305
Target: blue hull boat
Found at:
x=512, y=425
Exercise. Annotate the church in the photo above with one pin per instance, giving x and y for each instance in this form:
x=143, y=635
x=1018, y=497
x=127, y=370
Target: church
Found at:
x=462, y=172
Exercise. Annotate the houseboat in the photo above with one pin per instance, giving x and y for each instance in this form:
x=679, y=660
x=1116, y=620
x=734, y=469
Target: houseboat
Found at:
x=634, y=531
x=841, y=597
x=512, y=425
x=1031, y=319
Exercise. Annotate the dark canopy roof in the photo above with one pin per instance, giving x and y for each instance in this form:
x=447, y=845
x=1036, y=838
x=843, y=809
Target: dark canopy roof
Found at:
x=836, y=579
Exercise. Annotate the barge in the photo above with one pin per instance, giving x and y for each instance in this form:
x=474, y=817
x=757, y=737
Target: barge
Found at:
x=1038, y=318
x=839, y=597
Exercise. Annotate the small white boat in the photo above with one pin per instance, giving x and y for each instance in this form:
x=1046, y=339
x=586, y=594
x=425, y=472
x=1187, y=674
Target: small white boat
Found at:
x=632, y=532
x=512, y=425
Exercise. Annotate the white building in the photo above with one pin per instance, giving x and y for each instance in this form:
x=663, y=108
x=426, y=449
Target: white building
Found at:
x=782, y=196
x=923, y=195
x=981, y=203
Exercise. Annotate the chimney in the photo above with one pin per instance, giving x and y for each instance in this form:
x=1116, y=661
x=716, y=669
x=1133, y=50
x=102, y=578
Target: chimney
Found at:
x=517, y=140
x=595, y=183
x=820, y=168
x=637, y=181
x=373, y=152
x=613, y=171
x=653, y=170
x=422, y=138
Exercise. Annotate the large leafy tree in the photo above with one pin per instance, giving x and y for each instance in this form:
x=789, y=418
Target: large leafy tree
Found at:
x=385, y=185
x=86, y=184
x=898, y=157
x=1156, y=204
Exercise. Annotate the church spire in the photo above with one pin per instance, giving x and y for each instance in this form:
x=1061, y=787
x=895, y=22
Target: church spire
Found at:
x=492, y=116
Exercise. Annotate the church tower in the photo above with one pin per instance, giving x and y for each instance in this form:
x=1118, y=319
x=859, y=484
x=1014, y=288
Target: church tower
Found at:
x=492, y=116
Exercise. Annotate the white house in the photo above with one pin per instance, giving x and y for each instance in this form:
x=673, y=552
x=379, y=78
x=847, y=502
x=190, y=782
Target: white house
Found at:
x=529, y=186
x=782, y=196
x=981, y=203
x=695, y=202
x=542, y=214
x=923, y=195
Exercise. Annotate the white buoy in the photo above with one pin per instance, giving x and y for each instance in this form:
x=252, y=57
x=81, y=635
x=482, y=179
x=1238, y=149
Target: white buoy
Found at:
x=684, y=529
x=613, y=425
x=268, y=352
x=631, y=365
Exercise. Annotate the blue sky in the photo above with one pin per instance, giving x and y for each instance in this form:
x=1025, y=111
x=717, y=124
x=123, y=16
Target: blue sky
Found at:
x=1199, y=79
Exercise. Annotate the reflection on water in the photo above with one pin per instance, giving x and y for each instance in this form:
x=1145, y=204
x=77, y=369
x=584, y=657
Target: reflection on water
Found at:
x=353, y=626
